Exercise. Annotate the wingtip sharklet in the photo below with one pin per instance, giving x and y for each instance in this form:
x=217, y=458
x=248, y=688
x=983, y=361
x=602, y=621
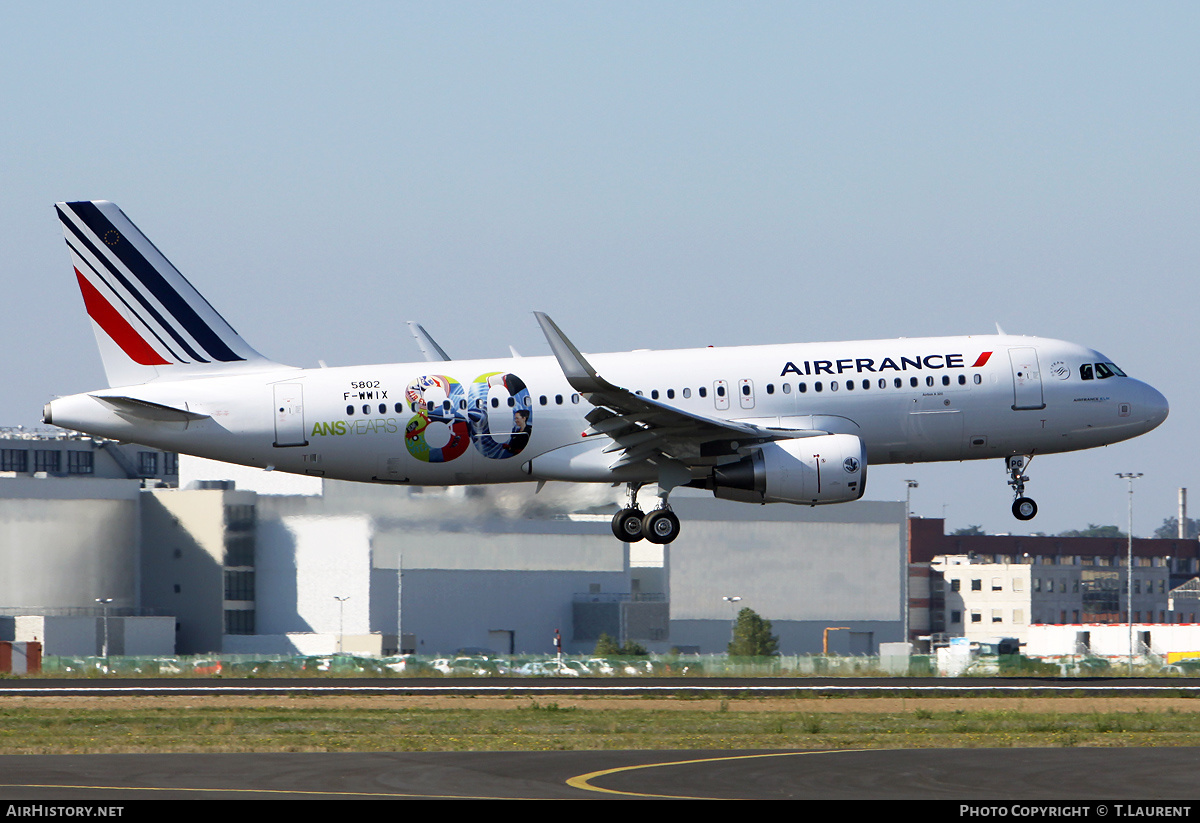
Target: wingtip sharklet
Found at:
x=425, y=342
x=578, y=371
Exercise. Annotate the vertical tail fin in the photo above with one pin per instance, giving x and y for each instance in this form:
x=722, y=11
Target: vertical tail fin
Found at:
x=150, y=322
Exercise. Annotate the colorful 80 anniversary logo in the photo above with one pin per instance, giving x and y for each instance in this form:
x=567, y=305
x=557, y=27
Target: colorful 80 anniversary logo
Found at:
x=447, y=418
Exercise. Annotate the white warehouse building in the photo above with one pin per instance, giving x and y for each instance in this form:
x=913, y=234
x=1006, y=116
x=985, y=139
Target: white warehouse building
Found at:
x=268, y=562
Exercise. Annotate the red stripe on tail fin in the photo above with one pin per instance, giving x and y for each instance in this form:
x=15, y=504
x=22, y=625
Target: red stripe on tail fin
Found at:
x=116, y=326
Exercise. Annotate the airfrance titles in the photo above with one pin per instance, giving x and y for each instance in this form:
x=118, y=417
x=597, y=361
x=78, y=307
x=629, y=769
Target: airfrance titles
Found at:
x=869, y=364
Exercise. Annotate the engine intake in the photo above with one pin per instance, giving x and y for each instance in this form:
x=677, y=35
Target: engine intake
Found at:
x=828, y=468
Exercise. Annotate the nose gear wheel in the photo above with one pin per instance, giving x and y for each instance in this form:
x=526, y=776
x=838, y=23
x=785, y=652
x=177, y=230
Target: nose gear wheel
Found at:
x=1023, y=508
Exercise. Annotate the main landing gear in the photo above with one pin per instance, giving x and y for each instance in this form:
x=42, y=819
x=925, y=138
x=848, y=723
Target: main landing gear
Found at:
x=1023, y=508
x=630, y=524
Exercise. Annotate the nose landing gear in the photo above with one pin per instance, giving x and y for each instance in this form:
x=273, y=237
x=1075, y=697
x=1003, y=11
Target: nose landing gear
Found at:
x=1023, y=508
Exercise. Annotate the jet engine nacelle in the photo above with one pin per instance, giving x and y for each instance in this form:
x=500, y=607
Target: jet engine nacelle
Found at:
x=828, y=468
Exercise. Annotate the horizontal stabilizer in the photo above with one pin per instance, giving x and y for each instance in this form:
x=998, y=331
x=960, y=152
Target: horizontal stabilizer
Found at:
x=145, y=410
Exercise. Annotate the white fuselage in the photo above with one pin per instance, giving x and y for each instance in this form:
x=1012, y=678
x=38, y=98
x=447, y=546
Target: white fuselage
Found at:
x=909, y=400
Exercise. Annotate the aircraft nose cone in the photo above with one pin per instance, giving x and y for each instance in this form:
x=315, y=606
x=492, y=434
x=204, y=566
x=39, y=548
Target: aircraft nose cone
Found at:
x=1154, y=407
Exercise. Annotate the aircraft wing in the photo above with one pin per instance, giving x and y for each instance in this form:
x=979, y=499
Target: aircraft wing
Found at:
x=642, y=428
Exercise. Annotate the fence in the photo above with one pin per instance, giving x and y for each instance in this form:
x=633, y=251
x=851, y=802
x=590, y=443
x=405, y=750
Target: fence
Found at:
x=260, y=666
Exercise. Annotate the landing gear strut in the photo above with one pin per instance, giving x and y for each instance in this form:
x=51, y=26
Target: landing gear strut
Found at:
x=1023, y=508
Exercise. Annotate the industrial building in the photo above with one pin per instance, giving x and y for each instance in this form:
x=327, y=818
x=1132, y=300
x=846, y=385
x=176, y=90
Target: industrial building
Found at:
x=70, y=541
x=56, y=453
x=219, y=558
x=249, y=561
x=989, y=586
x=384, y=569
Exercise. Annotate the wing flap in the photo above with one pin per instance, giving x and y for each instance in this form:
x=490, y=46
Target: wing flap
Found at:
x=642, y=428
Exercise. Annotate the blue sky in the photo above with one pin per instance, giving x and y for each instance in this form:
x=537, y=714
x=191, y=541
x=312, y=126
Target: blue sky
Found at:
x=653, y=175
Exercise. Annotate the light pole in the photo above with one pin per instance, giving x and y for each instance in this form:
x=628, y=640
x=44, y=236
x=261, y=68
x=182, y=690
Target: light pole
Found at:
x=104, y=602
x=1130, y=476
x=906, y=559
x=341, y=619
x=732, y=600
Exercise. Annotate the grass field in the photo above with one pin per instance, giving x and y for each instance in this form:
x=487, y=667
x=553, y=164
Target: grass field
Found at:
x=314, y=724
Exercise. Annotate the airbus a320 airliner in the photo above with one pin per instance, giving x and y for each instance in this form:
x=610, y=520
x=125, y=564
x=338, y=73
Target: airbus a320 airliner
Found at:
x=795, y=423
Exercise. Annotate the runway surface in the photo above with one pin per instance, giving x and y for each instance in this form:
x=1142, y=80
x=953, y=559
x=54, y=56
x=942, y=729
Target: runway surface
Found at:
x=1118, y=774
x=964, y=774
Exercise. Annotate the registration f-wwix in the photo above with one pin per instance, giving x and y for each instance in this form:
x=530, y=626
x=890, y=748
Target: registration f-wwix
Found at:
x=797, y=423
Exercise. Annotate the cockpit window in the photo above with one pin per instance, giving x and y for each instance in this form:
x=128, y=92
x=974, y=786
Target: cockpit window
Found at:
x=1099, y=371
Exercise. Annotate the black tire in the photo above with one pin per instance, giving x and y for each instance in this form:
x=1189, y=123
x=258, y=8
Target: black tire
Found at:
x=660, y=526
x=627, y=525
x=1024, y=508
